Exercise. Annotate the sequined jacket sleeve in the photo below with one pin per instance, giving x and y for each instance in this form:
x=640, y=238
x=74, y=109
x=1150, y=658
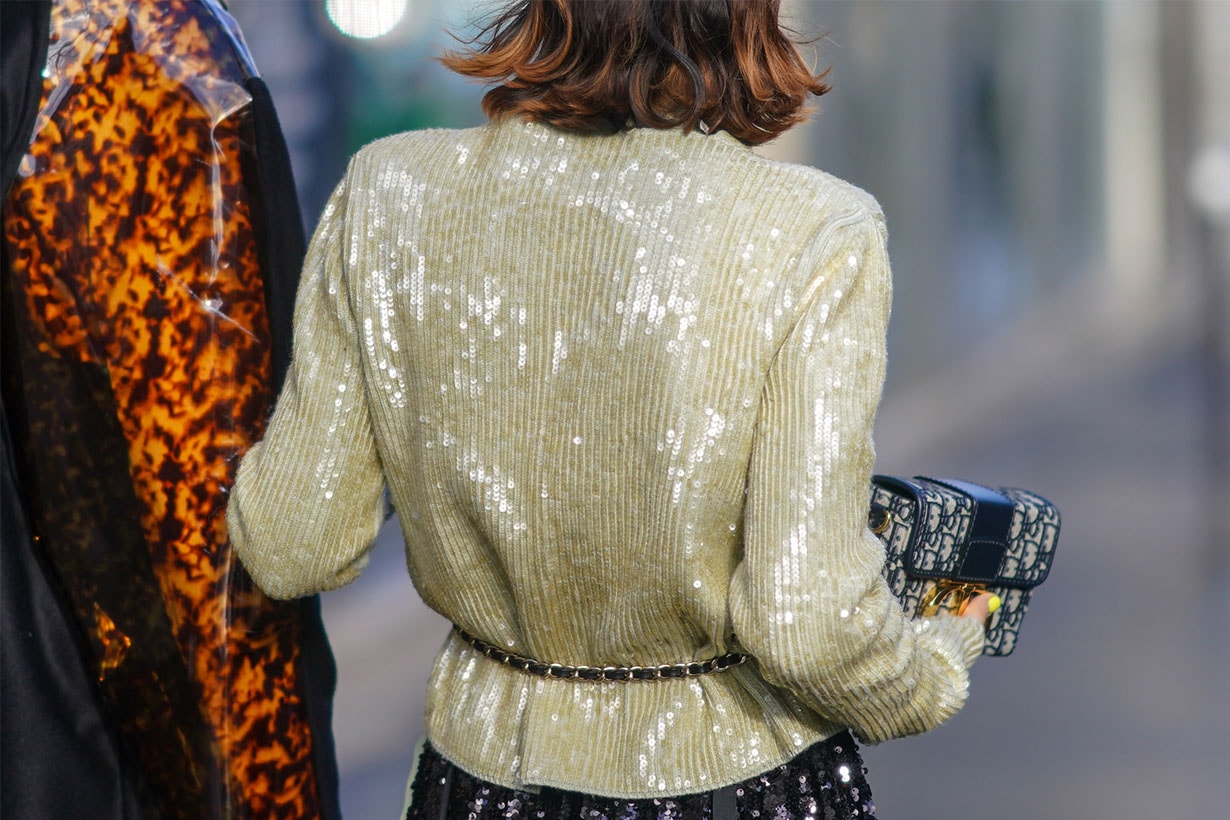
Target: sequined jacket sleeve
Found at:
x=808, y=600
x=319, y=443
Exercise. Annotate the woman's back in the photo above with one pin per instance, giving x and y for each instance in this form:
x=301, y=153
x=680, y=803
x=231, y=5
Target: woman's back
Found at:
x=621, y=390
x=580, y=329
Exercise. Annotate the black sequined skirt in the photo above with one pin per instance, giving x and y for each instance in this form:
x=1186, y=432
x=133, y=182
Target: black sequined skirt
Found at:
x=826, y=782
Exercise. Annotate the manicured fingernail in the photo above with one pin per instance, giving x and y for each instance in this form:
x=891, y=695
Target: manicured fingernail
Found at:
x=994, y=603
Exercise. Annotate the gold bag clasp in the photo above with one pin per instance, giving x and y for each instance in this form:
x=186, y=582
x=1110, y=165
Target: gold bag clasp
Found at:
x=879, y=520
x=951, y=595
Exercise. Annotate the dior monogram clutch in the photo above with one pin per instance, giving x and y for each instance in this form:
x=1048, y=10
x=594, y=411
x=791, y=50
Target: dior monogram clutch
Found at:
x=949, y=540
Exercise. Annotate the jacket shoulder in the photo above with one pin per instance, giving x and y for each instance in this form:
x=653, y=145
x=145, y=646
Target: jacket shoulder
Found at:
x=416, y=149
x=828, y=194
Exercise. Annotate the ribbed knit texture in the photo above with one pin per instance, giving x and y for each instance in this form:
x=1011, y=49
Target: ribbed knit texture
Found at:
x=621, y=389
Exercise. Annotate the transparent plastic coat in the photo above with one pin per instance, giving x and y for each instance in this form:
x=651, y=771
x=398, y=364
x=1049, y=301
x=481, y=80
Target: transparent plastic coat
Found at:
x=137, y=371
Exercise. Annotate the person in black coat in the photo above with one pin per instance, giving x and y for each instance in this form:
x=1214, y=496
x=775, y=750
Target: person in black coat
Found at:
x=143, y=675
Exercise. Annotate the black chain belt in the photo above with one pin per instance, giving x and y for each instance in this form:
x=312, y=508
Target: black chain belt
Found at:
x=617, y=674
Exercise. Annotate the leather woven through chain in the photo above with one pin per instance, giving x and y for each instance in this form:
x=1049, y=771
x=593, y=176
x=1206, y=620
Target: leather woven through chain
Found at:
x=614, y=674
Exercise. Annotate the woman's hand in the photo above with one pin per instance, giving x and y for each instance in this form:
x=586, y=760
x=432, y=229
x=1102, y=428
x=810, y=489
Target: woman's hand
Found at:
x=981, y=606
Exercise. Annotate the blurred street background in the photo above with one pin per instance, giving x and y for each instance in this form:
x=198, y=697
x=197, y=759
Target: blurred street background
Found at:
x=1056, y=177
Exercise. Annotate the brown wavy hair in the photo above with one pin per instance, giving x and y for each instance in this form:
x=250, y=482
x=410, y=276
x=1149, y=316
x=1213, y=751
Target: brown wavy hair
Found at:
x=601, y=66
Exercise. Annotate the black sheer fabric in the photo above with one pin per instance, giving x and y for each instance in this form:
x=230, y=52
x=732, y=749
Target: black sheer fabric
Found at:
x=827, y=782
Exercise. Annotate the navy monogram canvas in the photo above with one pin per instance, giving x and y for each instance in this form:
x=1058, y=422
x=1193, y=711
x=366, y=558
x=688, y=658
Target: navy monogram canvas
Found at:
x=936, y=532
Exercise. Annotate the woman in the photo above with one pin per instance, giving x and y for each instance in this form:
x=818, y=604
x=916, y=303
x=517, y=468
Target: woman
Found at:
x=619, y=375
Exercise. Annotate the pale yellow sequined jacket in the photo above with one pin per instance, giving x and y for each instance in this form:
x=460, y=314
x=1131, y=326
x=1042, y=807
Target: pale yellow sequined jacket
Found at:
x=621, y=390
